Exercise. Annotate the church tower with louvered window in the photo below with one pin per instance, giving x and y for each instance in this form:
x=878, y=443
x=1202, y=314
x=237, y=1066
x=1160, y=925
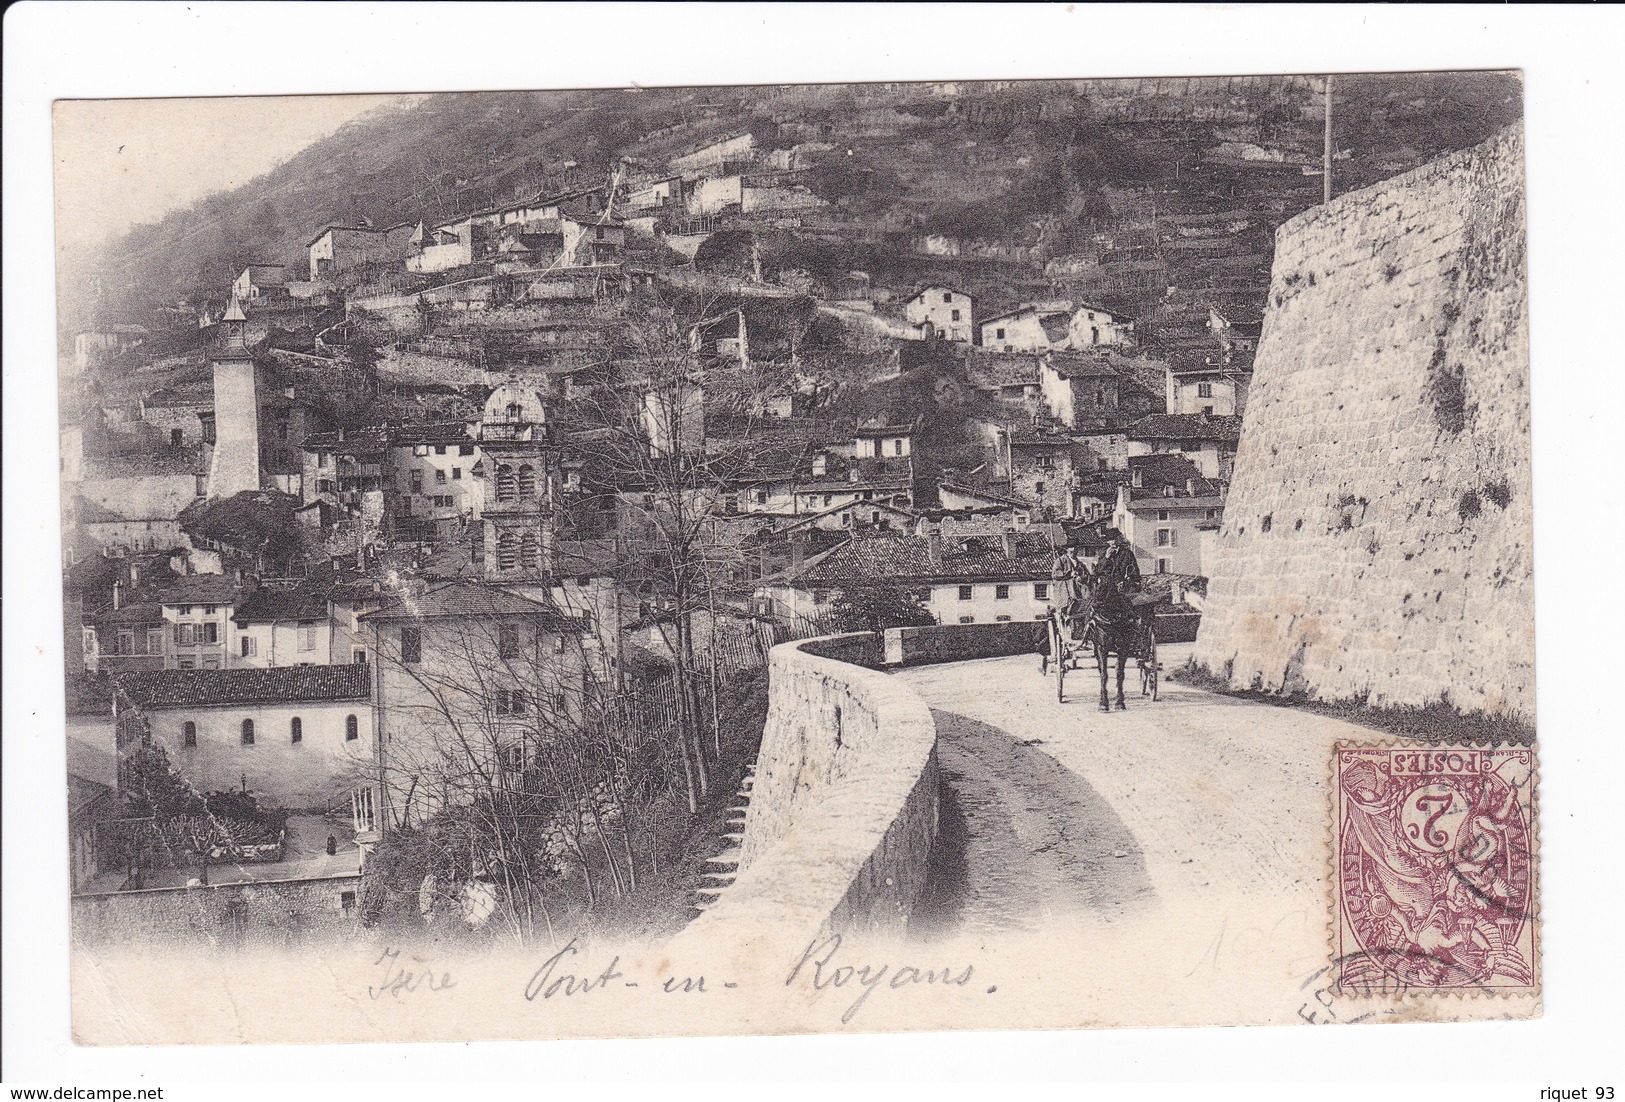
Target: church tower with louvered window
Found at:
x=513, y=543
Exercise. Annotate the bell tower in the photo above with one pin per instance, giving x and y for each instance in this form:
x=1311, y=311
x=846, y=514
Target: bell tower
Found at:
x=519, y=469
x=235, y=465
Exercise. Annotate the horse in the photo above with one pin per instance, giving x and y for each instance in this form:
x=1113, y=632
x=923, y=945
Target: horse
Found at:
x=1112, y=625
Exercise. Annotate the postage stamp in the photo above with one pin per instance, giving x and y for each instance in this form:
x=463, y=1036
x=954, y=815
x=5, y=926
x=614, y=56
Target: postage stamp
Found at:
x=1434, y=884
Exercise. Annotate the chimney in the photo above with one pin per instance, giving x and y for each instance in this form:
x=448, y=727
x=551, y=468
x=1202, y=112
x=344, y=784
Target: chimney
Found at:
x=1009, y=539
x=820, y=465
x=1190, y=486
x=933, y=546
x=118, y=589
x=1137, y=477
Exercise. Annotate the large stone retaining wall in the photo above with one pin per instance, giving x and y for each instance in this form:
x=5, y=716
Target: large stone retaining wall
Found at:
x=1377, y=538
x=843, y=811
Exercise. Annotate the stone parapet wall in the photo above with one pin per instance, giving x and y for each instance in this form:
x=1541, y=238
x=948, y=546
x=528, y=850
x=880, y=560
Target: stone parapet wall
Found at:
x=1377, y=538
x=843, y=812
x=962, y=642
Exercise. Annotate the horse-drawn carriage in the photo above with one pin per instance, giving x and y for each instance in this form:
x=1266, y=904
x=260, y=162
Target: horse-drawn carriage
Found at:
x=1102, y=623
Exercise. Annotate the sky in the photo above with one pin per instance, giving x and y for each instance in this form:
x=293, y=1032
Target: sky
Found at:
x=120, y=163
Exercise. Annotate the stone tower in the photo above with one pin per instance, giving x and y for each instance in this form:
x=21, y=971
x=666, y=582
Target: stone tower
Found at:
x=235, y=465
x=519, y=465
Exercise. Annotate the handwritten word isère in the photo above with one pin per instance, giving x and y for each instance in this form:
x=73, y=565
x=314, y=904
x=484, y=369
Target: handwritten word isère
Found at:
x=400, y=980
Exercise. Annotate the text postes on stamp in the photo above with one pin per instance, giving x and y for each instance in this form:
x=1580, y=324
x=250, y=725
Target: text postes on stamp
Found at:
x=1434, y=870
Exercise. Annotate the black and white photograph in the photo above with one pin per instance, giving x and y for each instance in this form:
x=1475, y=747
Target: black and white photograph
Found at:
x=710, y=559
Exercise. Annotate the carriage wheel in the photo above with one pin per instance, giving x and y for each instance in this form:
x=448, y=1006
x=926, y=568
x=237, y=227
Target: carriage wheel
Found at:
x=1060, y=680
x=1050, y=656
x=1148, y=665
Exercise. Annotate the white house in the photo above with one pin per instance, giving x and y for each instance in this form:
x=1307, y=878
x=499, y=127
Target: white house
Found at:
x=949, y=313
x=1166, y=530
x=297, y=737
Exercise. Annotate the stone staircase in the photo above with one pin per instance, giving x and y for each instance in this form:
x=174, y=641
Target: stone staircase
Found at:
x=727, y=862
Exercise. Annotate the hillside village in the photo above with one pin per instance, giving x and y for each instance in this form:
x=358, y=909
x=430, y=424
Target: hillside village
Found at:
x=506, y=502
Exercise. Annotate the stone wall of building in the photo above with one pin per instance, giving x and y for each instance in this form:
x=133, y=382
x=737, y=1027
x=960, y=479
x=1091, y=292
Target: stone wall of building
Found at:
x=280, y=912
x=1377, y=539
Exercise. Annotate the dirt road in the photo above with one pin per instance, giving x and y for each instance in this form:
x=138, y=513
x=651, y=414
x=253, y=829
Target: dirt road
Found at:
x=1176, y=843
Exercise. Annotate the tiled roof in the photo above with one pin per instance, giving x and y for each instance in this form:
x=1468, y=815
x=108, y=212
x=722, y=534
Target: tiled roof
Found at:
x=1184, y=426
x=444, y=432
x=1079, y=365
x=283, y=684
x=370, y=441
x=144, y=613
x=201, y=589
x=459, y=598
x=869, y=559
x=982, y=492
x=167, y=461
x=1178, y=501
x=270, y=604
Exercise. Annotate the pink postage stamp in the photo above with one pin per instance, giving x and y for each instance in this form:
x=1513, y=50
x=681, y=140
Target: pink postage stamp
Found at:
x=1434, y=882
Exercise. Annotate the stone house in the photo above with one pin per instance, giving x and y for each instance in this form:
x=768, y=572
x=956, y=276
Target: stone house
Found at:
x=260, y=281
x=1080, y=391
x=339, y=248
x=950, y=314
x=1034, y=327
x=297, y=737
x=197, y=611
x=1166, y=529
x=1209, y=442
x=470, y=681
x=432, y=480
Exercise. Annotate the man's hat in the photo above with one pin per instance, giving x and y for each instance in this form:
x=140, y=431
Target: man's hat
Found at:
x=1111, y=534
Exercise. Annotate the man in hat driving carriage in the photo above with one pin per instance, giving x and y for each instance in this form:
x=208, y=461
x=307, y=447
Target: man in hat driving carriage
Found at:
x=1113, y=586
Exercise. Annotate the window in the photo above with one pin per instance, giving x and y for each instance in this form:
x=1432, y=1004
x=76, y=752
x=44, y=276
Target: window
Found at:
x=411, y=645
x=1100, y=395
x=954, y=315
x=829, y=499
x=761, y=497
x=440, y=449
x=188, y=733
x=897, y=447
x=998, y=334
x=247, y=645
x=184, y=610
x=417, y=483
x=186, y=663
x=209, y=632
x=186, y=635
x=296, y=730
x=1040, y=591
x=202, y=485
x=347, y=902
x=155, y=640
x=967, y=619
x=420, y=449
x=440, y=478
x=352, y=728
x=1001, y=593
x=507, y=641
x=358, y=657
x=211, y=663
x=527, y=480
x=965, y=592
x=1162, y=514
x=1165, y=537
x=1046, y=462
x=1002, y=619
x=174, y=438
x=947, y=297
x=465, y=449
x=248, y=732
x=1204, y=390
x=1212, y=514
x=507, y=551
x=1162, y=566
x=846, y=520
x=125, y=643
x=1038, y=487
x=516, y=413
x=456, y=474
x=529, y=556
